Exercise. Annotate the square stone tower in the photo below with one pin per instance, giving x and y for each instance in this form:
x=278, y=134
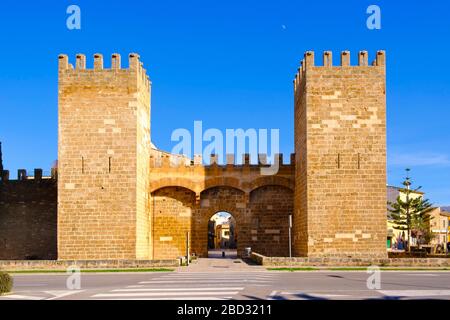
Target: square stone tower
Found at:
x=103, y=160
x=340, y=145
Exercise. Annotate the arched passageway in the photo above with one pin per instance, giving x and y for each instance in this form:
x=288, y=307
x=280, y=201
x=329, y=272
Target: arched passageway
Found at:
x=222, y=235
x=260, y=220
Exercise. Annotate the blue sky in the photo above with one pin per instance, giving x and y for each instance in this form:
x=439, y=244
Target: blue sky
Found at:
x=231, y=65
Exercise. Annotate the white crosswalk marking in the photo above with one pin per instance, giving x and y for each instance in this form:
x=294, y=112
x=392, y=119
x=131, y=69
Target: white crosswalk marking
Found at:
x=176, y=289
x=201, y=281
x=414, y=293
x=22, y=297
x=189, y=286
x=163, y=294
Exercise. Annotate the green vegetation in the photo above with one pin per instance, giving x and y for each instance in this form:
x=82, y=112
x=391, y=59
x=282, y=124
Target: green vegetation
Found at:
x=412, y=214
x=6, y=283
x=96, y=270
x=355, y=269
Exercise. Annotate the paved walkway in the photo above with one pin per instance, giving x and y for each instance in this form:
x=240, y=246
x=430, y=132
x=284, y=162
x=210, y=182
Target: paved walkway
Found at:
x=217, y=263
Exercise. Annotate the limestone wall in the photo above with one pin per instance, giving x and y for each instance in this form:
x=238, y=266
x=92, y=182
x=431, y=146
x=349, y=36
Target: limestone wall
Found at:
x=340, y=114
x=28, y=219
x=103, y=160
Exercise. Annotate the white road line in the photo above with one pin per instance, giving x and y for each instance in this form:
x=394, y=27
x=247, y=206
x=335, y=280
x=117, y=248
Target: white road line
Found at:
x=327, y=295
x=174, y=298
x=414, y=293
x=218, y=277
x=212, y=278
x=215, y=277
x=200, y=281
x=135, y=286
x=175, y=289
x=222, y=273
x=422, y=275
x=30, y=285
x=272, y=295
x=17, y=296
x=61, y=293
x=164, y=294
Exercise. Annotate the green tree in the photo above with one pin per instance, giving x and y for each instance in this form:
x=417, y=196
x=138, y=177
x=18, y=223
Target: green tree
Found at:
x=411, y=214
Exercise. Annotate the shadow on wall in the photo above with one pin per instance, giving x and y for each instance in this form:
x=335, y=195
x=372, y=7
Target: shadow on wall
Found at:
x=28, y=217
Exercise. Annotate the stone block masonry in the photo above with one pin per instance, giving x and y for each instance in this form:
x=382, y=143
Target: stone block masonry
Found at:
x=103, y=160
x=340, y=143
x=119, y=199
x=28, y=218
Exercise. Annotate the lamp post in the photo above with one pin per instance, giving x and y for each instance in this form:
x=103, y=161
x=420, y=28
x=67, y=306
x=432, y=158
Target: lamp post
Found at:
x=408, y=219
x=187, y=248
x=290, y=236
x=446, y=225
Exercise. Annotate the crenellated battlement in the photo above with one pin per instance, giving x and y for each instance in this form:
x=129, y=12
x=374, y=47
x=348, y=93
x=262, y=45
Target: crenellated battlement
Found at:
x=160, y=159
x=36, y=175
x=308, y=63
x=135, y=66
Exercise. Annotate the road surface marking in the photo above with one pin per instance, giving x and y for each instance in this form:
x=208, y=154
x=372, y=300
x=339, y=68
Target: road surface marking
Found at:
x=415, y=293
x=61, y=293
x=199, y=281
x=164, y=294
x=272, y=295
x=175, y=289
x=423, y=274
x=175, y=298
x=17, y=296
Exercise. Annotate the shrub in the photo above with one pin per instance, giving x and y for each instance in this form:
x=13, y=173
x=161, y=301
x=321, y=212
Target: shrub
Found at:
x=6, y=282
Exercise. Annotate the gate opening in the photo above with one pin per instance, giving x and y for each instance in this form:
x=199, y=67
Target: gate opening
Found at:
x=222, y=236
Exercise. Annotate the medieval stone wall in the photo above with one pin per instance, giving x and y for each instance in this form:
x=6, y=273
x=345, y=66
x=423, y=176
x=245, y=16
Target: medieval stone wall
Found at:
x=172, y=211
x=120, y=199
x=28, y=219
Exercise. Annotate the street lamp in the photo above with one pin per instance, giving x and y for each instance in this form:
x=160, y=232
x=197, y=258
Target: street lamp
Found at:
x=290, y=236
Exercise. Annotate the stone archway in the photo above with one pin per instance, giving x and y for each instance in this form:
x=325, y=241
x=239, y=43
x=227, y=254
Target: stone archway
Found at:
x=222, y=235
x=261, y=219
x=213, y=200
x=172, y=211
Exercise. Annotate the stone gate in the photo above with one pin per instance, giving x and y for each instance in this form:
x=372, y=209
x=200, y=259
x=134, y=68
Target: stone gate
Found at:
x=119, y=198
x=185, y=195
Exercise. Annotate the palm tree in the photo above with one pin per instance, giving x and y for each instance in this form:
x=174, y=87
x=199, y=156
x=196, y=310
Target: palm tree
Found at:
x=411, y=214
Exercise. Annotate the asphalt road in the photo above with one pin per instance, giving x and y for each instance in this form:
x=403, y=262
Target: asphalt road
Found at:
x=258, y=284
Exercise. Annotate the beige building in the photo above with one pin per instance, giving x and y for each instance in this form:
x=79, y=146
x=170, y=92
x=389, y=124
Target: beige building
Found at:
x=439, y=223
x=222, y=236
x=439, y=226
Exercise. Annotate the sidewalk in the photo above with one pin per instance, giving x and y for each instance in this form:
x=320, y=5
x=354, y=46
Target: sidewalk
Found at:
x=216, y=263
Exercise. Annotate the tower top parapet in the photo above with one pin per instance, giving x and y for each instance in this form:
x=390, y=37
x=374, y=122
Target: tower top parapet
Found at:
x=134, y=65
x=308, y=62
